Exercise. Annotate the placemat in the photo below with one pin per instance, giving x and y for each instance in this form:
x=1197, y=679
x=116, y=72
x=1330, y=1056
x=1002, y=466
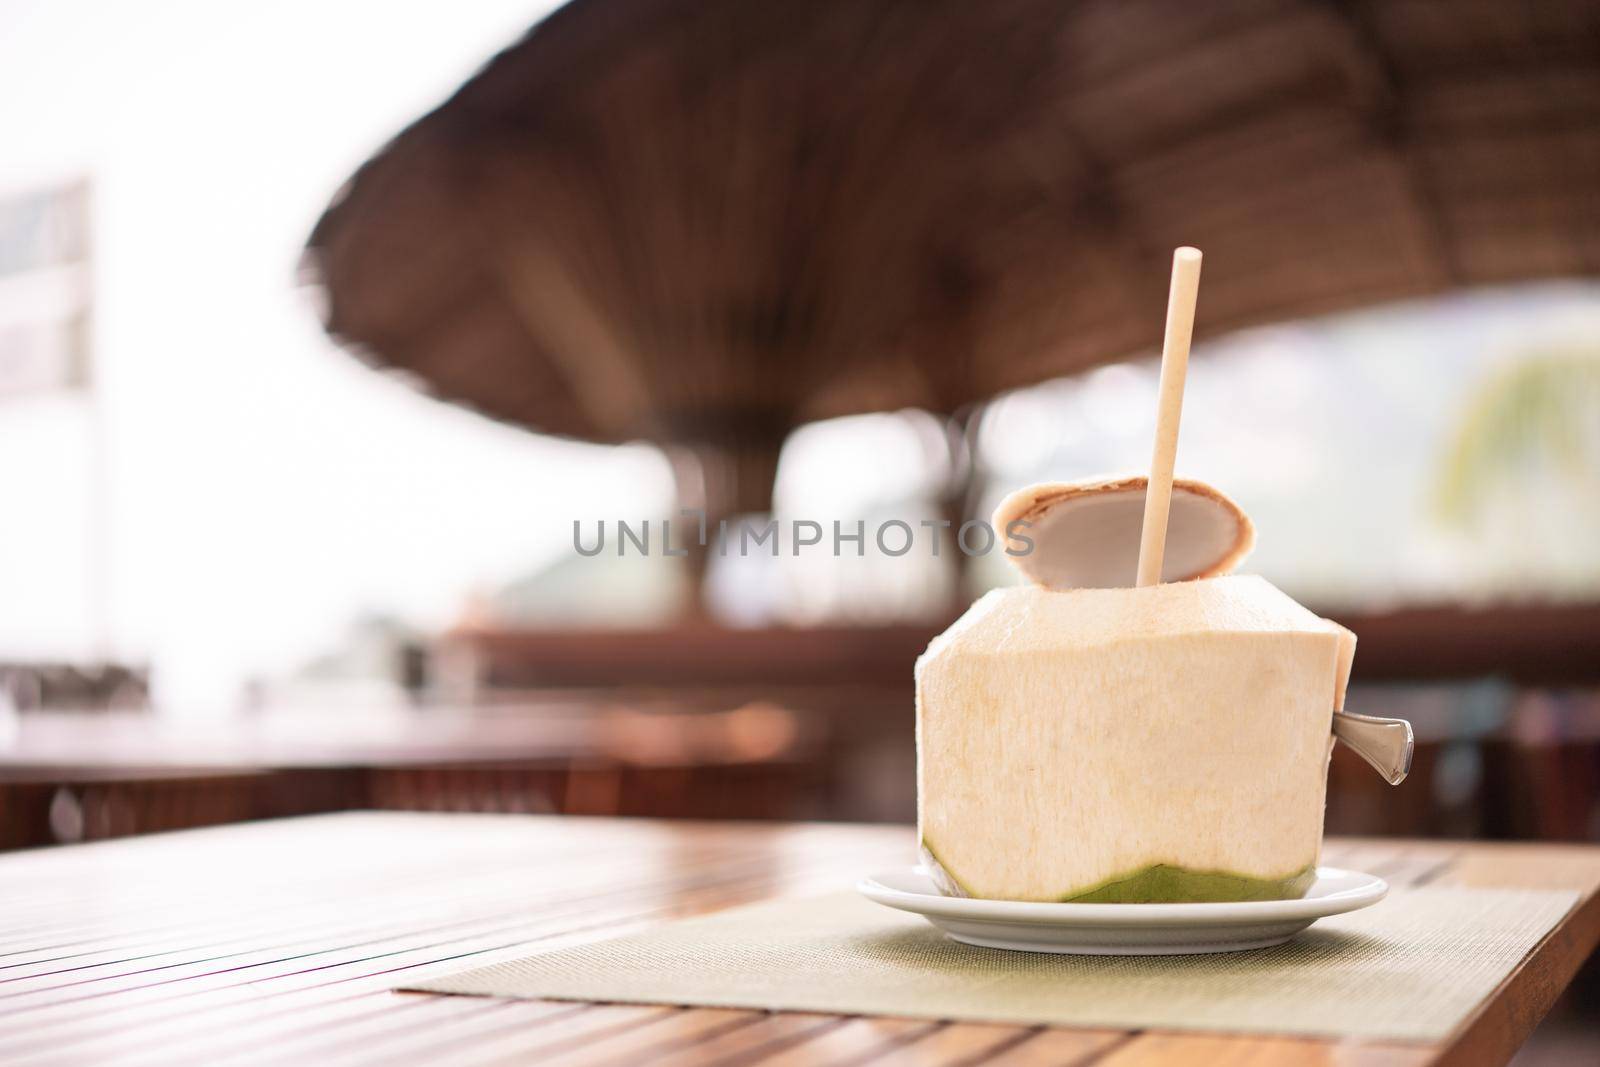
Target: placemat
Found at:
x=1410, y=968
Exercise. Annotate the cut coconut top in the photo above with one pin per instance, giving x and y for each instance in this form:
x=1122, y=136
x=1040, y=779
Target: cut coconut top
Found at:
x=1086, y=534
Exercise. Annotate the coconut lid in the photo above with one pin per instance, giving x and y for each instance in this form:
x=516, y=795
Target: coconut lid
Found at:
x=1086, y=534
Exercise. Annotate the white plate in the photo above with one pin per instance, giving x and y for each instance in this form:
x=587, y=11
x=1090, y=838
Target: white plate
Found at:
x=1123, y=929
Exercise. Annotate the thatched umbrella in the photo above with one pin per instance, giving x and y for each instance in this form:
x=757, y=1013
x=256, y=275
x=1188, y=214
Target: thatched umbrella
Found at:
x=701, y=222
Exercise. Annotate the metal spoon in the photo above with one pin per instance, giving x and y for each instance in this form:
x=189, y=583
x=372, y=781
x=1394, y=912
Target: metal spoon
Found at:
x=1387, y=744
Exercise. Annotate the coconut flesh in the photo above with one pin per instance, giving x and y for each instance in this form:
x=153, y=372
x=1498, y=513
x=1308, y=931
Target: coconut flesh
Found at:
x=1082, y=740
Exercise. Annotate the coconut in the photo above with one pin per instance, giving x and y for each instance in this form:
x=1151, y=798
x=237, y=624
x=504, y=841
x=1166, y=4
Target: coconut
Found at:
x=1085, y=535
x=1082, y=740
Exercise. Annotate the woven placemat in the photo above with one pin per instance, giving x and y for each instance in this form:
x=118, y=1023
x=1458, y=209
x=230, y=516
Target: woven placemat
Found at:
x=1410, y=968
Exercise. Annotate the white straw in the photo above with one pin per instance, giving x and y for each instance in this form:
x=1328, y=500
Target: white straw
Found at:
x=1174, y=364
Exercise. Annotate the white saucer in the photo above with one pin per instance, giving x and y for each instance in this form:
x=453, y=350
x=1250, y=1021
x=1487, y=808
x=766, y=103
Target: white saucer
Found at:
x=1123, y=929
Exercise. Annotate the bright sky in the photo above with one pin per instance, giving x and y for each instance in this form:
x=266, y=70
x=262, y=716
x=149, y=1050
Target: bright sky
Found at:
x=264, y=487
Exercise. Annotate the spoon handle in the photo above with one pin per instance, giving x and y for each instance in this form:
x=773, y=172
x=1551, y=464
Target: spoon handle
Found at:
x=1387, y=744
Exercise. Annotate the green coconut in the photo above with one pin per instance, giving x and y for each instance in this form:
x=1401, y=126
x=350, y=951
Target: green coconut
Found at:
x=1116, y=744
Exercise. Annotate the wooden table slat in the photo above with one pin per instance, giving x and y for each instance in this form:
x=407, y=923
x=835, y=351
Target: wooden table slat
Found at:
x=952, y=1044
x=1053, y=1047
x=684, y=1028
x=508, y=1039
x=859, y=1040
x=1226, y=1050
x=748, y=1044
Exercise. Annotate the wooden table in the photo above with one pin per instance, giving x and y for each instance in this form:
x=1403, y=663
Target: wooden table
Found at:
x=71, y=776
x=280, y=941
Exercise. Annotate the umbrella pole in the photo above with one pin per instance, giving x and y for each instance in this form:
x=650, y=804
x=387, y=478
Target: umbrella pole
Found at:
x=726, y=481
x=963, y=492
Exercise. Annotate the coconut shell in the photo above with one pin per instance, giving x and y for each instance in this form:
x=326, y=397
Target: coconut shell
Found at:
x=1085, y=535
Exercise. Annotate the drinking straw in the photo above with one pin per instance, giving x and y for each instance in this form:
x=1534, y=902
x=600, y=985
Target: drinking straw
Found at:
x=1174, y=364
